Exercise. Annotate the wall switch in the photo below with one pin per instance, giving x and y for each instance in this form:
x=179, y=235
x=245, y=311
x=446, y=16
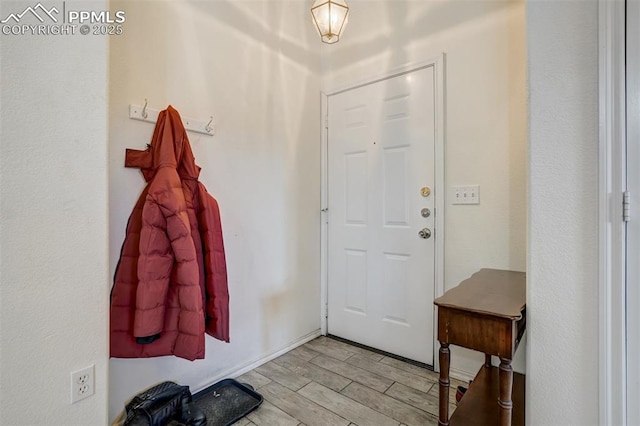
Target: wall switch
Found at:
x=82, y=384
x=469, y=194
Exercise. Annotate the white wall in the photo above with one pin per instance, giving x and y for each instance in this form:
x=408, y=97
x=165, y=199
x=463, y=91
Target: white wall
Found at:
x=261, y=84
x=486, y=123
x=53, y=227
x=562, y=360
x=222, y=58
x=229, y=59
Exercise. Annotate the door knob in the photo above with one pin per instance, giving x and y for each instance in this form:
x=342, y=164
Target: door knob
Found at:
x=425, y=233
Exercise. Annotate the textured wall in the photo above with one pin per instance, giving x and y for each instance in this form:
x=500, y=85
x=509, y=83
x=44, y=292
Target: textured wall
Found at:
x=562, y=360
x=486, y=117
x=53, y=227
x=232, y=60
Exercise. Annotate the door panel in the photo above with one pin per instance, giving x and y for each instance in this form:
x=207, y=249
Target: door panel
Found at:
x=356, y=281
x=380, y=271
x=395, y=178
x=355, y=172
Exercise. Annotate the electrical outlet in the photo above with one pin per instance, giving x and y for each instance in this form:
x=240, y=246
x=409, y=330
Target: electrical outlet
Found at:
x=465, y=194
x=82, y=384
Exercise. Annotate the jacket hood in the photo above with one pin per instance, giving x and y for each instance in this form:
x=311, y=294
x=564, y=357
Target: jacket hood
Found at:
x=169, y=147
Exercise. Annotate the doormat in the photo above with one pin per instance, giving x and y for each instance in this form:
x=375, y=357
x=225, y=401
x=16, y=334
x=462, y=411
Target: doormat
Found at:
x=227, y=401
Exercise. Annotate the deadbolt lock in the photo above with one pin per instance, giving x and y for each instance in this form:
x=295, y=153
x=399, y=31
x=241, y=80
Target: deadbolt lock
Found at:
x=425, y=212
x=425, y=191
x=425, y=233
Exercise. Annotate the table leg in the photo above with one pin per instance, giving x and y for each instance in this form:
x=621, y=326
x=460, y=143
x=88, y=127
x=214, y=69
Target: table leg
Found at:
x=443, y=411
x=487, y=360
x=506, y=386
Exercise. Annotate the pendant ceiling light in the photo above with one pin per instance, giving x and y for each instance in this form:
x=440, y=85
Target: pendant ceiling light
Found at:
x=330, y=17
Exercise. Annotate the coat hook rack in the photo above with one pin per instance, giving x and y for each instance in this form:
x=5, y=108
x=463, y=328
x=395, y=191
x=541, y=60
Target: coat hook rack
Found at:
x=150, y=115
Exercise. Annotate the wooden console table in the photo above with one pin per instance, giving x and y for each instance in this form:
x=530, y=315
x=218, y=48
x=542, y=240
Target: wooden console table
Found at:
x=486, y=313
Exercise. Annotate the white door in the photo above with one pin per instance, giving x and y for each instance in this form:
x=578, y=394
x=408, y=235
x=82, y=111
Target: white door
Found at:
x=633, y=226
x=380, y=270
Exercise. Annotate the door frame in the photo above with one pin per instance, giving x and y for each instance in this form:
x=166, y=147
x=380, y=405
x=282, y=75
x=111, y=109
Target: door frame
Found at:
x=438, y=64
x=611, y=232
x=632, y=225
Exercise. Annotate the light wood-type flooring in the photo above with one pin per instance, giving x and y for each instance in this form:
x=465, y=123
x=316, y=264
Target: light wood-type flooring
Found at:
x=329, y=382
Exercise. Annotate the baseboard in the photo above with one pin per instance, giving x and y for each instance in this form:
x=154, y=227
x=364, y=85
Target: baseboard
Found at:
x=240, y=370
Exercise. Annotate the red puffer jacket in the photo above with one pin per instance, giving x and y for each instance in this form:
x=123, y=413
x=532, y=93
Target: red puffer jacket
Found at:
x=171, y=281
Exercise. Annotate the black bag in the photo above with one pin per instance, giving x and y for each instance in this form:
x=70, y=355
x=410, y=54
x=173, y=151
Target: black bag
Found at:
x=158, y=405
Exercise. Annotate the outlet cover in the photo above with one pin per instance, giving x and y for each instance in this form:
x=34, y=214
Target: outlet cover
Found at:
x=82, y=384
x=469, y=194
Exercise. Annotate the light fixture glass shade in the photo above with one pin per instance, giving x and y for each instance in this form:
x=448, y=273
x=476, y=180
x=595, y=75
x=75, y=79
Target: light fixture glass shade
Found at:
x=330, y=18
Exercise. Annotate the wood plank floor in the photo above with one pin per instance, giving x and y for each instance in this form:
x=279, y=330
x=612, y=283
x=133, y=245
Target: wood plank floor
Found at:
x=329, y=382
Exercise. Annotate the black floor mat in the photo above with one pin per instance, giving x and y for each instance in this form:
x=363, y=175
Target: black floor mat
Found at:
x=227, y=401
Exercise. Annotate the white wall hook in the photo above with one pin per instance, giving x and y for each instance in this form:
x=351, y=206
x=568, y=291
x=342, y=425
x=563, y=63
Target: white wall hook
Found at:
x=150, y=115
x=144, y=109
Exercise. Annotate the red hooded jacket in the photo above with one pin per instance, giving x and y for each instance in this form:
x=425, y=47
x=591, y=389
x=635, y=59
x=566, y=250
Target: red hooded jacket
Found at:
x=171, y=281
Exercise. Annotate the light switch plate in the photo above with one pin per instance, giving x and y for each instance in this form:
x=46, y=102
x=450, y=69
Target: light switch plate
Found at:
x=469, y=194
